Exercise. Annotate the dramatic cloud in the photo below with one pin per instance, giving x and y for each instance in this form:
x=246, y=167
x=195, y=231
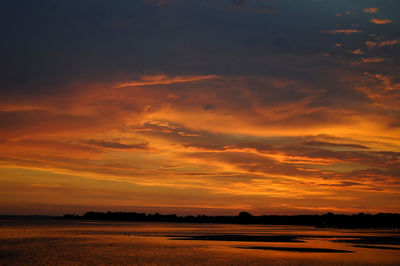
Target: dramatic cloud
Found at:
x=199, y=106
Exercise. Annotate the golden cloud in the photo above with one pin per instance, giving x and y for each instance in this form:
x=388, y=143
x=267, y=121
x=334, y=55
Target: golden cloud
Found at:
x=140, y=134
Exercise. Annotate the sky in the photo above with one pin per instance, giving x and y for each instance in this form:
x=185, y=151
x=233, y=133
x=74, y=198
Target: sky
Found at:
x=200, y=106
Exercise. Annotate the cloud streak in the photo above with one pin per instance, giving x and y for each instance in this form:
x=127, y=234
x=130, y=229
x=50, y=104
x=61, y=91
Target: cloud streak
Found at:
x=345, y=32
x=118, y=145
x=372, y=60
x=381, y=20
x=163, y=80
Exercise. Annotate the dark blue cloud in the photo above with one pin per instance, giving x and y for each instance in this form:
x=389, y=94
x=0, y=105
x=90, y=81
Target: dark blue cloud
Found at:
x=47, y=43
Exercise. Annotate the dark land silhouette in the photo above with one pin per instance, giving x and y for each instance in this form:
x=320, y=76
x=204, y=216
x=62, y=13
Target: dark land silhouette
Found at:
x=361, y=220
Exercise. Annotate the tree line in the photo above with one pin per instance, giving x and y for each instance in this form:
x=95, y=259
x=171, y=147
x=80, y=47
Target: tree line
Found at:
x=361, y=220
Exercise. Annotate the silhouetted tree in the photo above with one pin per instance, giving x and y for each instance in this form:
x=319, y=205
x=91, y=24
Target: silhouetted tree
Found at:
x=381, y=220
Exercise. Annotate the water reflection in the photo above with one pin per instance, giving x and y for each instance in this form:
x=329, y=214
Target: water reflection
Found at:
x=54, y=242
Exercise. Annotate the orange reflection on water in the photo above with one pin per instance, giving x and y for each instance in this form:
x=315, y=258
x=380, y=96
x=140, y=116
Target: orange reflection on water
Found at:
x=45, y=242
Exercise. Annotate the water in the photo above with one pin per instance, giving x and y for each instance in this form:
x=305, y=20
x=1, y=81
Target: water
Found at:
x=68, y=242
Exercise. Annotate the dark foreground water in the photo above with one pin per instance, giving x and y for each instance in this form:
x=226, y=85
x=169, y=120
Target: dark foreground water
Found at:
x=65, y=242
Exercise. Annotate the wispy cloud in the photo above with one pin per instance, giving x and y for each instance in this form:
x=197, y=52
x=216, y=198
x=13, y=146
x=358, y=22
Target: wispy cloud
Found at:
x=118, y=145
x=372, y=60
x=346, y=32
x=330, y=144
x=383, y=90
x=163, y=80
x=371, y=10
x=370, y=44
x=357, y=51
x=389, y=43
x=380, y=20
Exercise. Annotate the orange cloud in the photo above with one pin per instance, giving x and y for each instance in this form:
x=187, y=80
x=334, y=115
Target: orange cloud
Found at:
x=163, y=80
x=257, y=121
x=370, y=44
x=372, y=60
x=385, y=93
x=346, y=32
x=357, y=51
x=380, y=21
x=214, y=136
x=371, y=10
x=389, y=43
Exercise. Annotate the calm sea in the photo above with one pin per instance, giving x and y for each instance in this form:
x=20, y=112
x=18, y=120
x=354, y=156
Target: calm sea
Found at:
x=68, y=242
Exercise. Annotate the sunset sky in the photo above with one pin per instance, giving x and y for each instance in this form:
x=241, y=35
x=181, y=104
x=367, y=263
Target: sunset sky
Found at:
x=200, y=106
